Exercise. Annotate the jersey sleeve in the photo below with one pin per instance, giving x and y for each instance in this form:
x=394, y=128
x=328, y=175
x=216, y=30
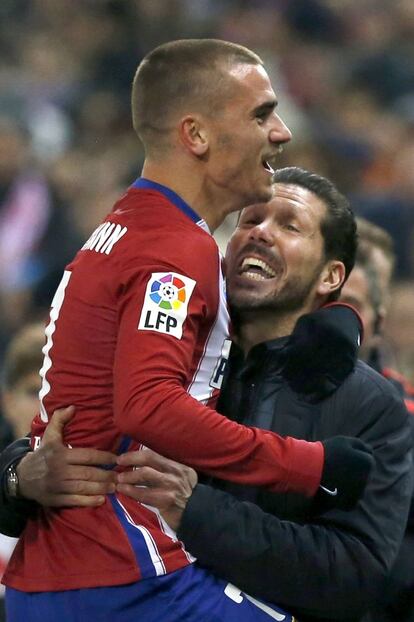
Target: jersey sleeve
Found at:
x=153, y=361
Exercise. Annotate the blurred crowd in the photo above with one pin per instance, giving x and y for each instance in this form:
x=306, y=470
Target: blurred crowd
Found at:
x=344, y=72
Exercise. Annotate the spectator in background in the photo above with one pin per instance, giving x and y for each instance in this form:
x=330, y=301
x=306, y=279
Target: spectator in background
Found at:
x=66, y=69
x=20, y=385
x=20, y=378
x=25, y=206
x=36, y=239
x=378, y=245
x=368, y=290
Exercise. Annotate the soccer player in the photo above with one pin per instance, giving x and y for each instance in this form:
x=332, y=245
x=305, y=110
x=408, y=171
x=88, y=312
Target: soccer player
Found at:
x=330, y=567
x=137, y=340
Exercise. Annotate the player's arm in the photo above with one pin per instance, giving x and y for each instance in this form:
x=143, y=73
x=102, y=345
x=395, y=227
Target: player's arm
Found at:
x=327, y=568
x=60, y=481
x=153, y=358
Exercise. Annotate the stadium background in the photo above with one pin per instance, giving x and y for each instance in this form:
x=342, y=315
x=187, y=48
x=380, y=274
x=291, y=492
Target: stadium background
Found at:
x=344, y=73
x=343, y=69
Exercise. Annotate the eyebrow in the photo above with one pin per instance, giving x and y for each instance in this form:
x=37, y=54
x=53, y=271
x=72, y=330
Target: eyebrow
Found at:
x=265, y=107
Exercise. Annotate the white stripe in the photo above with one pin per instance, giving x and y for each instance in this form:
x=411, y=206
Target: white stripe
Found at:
x=50, y=329
x=170, y=533
x=149, y=541
x=236, y=595
x=199, y=387
x=275, y=615
x=164, y=526
x=203, y=225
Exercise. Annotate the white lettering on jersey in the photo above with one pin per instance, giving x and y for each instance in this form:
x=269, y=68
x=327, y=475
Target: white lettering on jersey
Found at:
x=104, y=238
x=209, y=366
x=57, y=303
x=237, y=596
x=218, y=373
x=166, y=302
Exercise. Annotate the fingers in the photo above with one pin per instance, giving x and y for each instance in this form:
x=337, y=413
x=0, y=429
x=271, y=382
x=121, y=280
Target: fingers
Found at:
x=54, y=429
x=54, y=436
x=69, y=501
x=149, y=458
x=147, y=476
x=163, y=490
x=86, y=456
x=89, y=474
x=155, y=497
x=79, y=487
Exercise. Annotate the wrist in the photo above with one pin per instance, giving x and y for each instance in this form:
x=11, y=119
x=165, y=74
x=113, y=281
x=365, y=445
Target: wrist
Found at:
x=11, y=456
x=12, y=482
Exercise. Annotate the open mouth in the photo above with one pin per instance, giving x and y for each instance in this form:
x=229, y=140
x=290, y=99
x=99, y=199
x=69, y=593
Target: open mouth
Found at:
x=266, y=165
x=256, y=269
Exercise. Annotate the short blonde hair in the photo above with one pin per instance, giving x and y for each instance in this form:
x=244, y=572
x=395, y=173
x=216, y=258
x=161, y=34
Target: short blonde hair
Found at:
x=180, y=74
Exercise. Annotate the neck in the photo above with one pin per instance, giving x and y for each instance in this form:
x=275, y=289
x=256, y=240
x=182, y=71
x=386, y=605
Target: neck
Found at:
x=261, y=325
x=189, y=182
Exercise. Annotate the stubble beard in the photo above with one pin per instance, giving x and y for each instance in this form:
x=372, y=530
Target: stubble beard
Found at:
x=291, y=298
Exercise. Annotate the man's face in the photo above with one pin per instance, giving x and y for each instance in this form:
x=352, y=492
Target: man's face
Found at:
x=356, y=293
x=275, y=258
x=245, y=135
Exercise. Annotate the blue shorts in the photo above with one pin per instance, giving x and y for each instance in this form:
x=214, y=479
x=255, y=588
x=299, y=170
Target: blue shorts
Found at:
x=188, y=595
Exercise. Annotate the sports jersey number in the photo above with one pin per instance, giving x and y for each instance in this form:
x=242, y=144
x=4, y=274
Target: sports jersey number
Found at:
x=233, y=592
x=56, y=306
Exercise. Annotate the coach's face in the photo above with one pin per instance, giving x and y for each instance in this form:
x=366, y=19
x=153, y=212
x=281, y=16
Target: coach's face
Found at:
x=275, y=258
x=245, y=136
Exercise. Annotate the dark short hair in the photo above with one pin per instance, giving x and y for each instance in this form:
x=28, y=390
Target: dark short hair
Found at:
x=178, y=74
x=338, y=227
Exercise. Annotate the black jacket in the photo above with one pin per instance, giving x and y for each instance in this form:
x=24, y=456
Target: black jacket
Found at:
x=397, y=599
x=327, y=568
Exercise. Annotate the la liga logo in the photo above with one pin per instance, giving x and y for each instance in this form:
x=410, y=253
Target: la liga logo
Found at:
x=168, y=292
x=165, y=303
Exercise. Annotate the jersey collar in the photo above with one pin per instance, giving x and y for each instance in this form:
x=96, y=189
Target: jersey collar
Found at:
x=146, y=184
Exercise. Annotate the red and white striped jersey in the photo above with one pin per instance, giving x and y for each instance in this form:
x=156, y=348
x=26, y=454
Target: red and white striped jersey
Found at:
x=137, y=334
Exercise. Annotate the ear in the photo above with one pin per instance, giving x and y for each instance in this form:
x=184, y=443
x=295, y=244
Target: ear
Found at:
x=193, y=135
x=331, y=278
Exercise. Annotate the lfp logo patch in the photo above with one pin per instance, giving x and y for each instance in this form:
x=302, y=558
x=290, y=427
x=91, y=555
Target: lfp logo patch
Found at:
x=169, y=292
x=166, y=302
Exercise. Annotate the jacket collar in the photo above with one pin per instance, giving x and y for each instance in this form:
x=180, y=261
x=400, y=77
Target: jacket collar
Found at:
x=266, y=354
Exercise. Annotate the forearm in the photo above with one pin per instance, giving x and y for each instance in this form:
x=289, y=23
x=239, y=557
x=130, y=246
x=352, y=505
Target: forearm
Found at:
x=310, y=569
x=169, y=421
x=14, y=511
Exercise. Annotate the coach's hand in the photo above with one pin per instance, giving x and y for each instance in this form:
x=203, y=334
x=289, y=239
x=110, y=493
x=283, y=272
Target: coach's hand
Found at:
x=157, y=481
x=348, y=464
x=55, y=475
